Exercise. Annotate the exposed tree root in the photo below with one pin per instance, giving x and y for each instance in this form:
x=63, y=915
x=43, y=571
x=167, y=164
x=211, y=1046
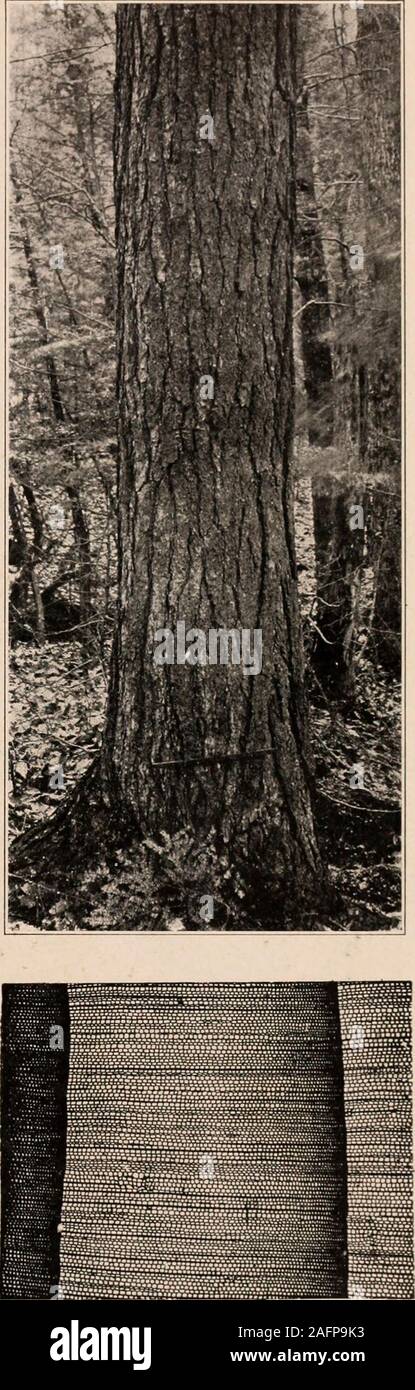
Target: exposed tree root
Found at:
x=45, y=858
x=72, y=830
x=88, y=867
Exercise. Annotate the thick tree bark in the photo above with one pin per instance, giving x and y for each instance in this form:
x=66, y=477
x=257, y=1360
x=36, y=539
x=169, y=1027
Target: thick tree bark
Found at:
x=205, y=246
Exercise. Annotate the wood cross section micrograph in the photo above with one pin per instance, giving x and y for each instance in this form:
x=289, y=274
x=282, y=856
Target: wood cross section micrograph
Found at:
x=207, y=1141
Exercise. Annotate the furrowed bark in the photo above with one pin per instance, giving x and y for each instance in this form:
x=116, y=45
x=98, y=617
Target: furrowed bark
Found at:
x=205, y=235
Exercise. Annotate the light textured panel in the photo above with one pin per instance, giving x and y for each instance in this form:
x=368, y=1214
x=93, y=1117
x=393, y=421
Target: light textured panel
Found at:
x=376, y=1039
x=206, y=1143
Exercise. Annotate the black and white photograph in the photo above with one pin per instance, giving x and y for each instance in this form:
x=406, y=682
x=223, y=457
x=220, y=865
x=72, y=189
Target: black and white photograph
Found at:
x=207, y=1141
x=205, y=260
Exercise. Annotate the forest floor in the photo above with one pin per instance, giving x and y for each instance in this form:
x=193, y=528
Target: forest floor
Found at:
x=57, y=705
x=57, y=699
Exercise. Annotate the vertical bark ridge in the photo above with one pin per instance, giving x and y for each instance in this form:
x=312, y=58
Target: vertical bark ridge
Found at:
x=205, y=280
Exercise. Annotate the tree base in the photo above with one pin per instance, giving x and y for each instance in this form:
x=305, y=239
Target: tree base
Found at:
x=91, y=868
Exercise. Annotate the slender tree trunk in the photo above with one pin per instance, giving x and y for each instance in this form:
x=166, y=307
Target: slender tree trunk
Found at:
x=81, y=530
x=379, y=28
x=20, y=616
x=79, y=74
x=82, y=542
x=20, y=587
x=205, y=486
x=311, y=276
x=338, y=550
x=36, y=519
x=386, y=630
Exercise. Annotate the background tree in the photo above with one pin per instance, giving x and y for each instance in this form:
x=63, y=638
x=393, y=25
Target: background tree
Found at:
x=349, y=248
x=379, y=35
x=62, y=380
x=338, y=549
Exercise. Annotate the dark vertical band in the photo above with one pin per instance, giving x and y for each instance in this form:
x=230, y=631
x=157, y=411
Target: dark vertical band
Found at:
x=35, y=1067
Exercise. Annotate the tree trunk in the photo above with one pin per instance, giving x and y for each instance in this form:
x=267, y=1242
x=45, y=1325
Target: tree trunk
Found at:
x=205, y=486
x=311, y=276
x=81, y=530
x=338, y=550
x=379, y=31
x=83, y=548
x=386, y=630
x=20, y=616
